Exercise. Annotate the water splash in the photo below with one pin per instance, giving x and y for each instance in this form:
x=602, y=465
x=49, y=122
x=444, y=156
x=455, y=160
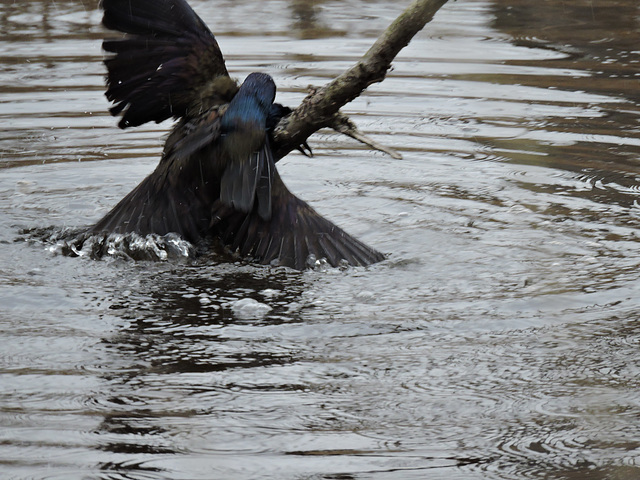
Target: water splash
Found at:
x=130, y=246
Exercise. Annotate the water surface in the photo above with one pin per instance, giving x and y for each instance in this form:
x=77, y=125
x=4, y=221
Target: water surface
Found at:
x=499, y=340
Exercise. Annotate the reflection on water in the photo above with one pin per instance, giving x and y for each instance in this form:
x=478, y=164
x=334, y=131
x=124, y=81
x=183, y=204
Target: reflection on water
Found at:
x=499, y=340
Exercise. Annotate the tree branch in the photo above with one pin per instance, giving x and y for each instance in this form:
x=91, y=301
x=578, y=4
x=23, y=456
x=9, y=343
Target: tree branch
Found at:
x=318, y=109
x=343, y=124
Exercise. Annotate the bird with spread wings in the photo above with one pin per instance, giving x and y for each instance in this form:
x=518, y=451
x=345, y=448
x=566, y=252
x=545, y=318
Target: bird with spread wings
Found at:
x=217, y=179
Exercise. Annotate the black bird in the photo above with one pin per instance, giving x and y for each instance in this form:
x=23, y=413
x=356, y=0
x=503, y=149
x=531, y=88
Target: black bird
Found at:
x=217, y=178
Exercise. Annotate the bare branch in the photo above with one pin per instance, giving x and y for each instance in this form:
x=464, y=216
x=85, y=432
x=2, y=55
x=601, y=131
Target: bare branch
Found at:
x=343, y=124
x=319, y=107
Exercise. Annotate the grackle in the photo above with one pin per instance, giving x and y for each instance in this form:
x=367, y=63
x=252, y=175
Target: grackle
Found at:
x=217, y=179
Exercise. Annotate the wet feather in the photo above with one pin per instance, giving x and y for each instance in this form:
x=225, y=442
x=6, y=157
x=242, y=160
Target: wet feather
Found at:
x=217, y=178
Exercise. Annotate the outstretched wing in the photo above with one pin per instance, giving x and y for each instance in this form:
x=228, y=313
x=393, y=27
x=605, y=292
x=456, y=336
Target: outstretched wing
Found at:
x=290, y=236
x=157, y=207
x=177, y=197
x=164, y=66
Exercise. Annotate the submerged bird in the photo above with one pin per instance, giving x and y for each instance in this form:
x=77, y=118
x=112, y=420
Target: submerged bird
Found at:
x=217, y=180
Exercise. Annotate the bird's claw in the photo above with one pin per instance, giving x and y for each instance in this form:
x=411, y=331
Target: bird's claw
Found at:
x=303, y=148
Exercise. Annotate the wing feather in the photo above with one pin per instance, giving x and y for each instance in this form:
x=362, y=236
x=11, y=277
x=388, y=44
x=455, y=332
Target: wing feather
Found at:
x=292, y=233
x=165, y=64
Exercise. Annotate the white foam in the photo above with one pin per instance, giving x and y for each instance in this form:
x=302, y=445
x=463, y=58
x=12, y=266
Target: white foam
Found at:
x=248, y=308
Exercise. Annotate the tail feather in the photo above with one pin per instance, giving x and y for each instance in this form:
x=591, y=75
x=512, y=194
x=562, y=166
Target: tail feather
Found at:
x=265, y=181
x=245, y=182
x=239, y=182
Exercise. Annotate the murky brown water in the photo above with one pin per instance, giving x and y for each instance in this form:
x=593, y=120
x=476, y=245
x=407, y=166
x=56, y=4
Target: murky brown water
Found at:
x=500, y=340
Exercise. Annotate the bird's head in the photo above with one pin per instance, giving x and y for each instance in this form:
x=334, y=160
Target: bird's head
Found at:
x=262, y=87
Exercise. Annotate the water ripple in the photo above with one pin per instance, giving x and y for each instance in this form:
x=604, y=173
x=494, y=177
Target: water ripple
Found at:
x=498, y=341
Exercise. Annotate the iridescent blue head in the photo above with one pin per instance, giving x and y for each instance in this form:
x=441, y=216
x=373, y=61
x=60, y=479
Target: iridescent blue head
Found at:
x=262, y=87
x=252, y=103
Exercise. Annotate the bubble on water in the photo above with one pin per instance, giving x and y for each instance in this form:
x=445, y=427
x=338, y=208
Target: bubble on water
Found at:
x=269, y=292
x=365, y=296
x=248, y=308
